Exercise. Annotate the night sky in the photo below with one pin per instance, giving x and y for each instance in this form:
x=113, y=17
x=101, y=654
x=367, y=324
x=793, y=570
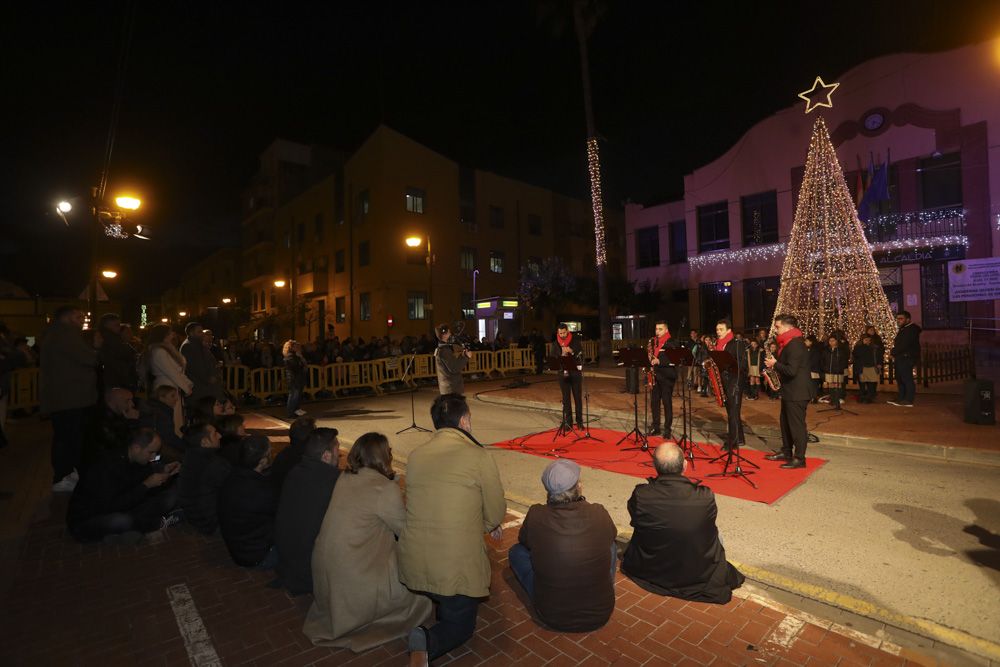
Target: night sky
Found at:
x=208, y=85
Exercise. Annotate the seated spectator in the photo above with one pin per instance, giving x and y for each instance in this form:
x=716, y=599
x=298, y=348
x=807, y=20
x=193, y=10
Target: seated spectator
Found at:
x=246, y=508
x=301, y=507
x=158, y=414
x=124, y=495
x=207, y=409
x=231, y=428
x=205, y=471
x=566, y=556
x=358, y=601
x=289, y=457
x=110, y=432
x=675, y=548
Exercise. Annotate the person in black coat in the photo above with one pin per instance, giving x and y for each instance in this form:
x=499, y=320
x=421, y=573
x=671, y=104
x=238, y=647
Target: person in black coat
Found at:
x=123, y=495
x=201, y=365
x=675, y=548
x=116, y=356
x=906, y=355
x=568, y=345
x=301, y=508
x=157, y=413
x=733, y=381
x=246, y=508
x=665, y=374
x=867, y=358
x=205, y=471
x=290, y=456
x=815, y=365
x=797, y=389
x=835, y=360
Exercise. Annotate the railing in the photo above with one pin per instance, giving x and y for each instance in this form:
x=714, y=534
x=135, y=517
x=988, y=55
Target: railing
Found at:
x=24, y=383
x=915, y=225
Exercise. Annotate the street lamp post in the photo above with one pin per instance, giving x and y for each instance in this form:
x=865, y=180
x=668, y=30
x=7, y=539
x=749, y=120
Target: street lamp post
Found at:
x=415, y=242
x=291, y=301
x=116, y=215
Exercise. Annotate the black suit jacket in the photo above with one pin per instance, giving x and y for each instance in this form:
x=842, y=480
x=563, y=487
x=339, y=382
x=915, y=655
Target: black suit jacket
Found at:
x=737, y=348
x=246, y=516
x=794, y=367
x=304, y=499
x=576, y=345
x=665, y=373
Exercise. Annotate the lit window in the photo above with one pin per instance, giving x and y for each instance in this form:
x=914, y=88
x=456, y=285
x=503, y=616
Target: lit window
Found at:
x=415, y=200
x=496, y=261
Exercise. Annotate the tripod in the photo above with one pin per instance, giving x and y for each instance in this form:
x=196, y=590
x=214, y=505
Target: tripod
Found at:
x=731, y=454
x=837, y=408
x=586, y=422
x=632, y=384
x=413, y=414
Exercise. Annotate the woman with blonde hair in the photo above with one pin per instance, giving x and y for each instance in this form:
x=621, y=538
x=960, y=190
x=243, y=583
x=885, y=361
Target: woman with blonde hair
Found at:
x=358, y=601
x=162, y=364
x=296, y=376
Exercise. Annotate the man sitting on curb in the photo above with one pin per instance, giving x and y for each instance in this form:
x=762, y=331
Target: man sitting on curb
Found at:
x=247, y=506
x=566, y=556
x=205, y=471
x=675, y=548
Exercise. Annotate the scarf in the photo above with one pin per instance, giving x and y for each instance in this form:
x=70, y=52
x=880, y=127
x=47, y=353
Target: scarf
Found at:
x=720, y=345
x=660, y=342
x=785, y=338
x=564, y=342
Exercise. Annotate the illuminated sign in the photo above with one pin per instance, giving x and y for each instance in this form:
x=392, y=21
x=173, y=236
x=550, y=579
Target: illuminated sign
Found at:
x=508, y=315
x=509, y=304
x=484, y=304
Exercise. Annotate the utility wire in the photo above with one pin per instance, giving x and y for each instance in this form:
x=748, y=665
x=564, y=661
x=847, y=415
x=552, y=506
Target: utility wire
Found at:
x=128, y=26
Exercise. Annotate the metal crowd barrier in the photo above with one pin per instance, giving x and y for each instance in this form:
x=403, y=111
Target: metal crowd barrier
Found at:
x=23, y=389
x=514, y=359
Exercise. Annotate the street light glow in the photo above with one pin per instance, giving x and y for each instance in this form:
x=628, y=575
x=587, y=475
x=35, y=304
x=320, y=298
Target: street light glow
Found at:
x=227, y=300
x=64, y=207
x=127, y=203
x=182, y=313
x=109, y=273
x=413, y=241
x=164, y=320
x=279, y=283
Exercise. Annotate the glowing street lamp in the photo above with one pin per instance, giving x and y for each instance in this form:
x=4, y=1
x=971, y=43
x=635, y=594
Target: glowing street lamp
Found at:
x=128, y=203
x=164, y=320
x=109, y=273
x=414, y=241
x=226, y=300
x=182, y=313
x=279, y=283
x=64, y=207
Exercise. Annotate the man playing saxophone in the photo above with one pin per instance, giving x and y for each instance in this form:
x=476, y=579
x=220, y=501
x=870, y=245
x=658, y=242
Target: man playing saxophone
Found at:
x=733, y=381
x=664, y=375
x=797, y=390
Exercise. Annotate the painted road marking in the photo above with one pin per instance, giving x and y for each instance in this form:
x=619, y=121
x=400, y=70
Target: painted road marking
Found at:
x=199, y=646
x=784, y=635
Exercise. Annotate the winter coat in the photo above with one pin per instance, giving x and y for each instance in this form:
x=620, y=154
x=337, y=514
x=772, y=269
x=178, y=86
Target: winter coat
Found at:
x=570, y=546
x=201, y=367
x=160, y=417
x=69, y=370
x=118, y=361
x=114, y=484
x=675, y=548
x=866, y=356
x=835, y=360
x=450, y=366
x=296, y=373
x=202, y=476
x=453, y=497
x=246, y=516
x=664, y=372
x=166, y=366
x=793, y=368
x=301, y=507
x=358, y=600
x=907, y=343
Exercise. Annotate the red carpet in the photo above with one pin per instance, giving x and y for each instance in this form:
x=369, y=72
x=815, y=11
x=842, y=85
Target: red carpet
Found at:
x=772, y=482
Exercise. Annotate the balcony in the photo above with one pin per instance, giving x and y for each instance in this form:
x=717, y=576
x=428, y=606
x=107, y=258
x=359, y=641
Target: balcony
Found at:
x=915, y=225
x=314, y=282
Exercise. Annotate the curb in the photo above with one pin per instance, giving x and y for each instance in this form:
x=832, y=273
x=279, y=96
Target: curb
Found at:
x=946, y=453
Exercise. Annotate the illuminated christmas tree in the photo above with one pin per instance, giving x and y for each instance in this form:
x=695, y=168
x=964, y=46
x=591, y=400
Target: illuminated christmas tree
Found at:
x=829, y=280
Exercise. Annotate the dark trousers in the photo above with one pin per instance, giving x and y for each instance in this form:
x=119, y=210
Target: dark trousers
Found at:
x=519, y=558
x=144, y=517
x=539, y=362
x=68, y=427
x=573, y=383
x=868, y=390
x=734, y=406
x=294, y=400
x=904, y=379
x=662, y=395
x=456, y=621
x=793, y=428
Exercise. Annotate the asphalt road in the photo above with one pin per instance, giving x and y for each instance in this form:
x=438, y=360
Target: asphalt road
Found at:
x=911, y=535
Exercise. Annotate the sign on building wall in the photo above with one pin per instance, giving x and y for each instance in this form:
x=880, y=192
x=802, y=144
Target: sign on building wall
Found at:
x=974, y=279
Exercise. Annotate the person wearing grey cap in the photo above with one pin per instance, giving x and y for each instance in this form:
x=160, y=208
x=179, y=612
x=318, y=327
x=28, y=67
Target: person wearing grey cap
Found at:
x=675, y=548
x=565, y=557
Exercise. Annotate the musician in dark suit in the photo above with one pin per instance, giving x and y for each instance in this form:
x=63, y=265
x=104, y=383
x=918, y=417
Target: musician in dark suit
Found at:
x=797, y=389
x=733, y=382
x=567, y=344
x=665, y=375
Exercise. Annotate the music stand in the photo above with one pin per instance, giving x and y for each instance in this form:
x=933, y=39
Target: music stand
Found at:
x=413, y=415
x=635, y=358
x=727, y=363
x=681, y=357
x=586, y=402
x=563, y=365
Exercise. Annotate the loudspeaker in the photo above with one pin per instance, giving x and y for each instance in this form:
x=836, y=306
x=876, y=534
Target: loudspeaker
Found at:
x=632, y=380
x=979, y=402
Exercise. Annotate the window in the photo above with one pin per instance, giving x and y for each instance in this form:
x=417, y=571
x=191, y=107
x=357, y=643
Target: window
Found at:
x=760, y=218
x=678, y=242
x=365, y=301
x=467, y=258
x=534, y=224
x=937, y=310
x=468, y=308
x=361, y=207
x=319, y=227
x=647, y=247
x=496, y=261
x=305, y=266
x=760, y=298
x=415, y=305
x=415, y=200
x=941, y=181
x=364, y=253
x=496, y=217
x=716, y=303
x=338, y=261
x=341, y=308
x=713, y=227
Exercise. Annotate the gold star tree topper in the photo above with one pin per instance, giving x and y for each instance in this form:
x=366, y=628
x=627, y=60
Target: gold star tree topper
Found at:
x=814, y=98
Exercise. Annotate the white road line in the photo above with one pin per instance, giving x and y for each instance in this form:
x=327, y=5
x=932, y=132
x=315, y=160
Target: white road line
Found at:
x=784, y=635
x=275, y=423
x=199, y=646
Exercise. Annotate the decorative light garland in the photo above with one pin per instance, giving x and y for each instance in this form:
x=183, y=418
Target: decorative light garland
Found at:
x=115, y=231
x=923, y=217
x=596, y=199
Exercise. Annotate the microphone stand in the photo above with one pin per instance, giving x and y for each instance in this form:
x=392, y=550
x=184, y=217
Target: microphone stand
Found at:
x=586, y=398
x=413, y=414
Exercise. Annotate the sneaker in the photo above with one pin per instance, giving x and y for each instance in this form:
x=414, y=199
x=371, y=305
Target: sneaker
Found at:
x=174, y=517
x=905, y=404
x=300, y=413
x=65, y=485
x=894, y=403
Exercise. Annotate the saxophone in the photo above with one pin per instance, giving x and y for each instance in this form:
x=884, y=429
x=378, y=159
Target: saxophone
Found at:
x=715, y=378
x=650, y=375
x=771, y=376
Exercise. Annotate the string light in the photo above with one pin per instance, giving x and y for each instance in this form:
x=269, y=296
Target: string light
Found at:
x=921, y=217
x=596, y=199
x=829, y=280
x=115, y=230
x=808, y=95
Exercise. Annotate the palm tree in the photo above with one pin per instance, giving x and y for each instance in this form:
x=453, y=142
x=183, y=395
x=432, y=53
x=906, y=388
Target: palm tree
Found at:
x=585, y=15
